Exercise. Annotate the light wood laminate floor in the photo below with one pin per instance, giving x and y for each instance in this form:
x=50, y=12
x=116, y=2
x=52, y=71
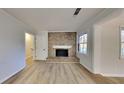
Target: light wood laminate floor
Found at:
x=62, y=60
x=59, y=73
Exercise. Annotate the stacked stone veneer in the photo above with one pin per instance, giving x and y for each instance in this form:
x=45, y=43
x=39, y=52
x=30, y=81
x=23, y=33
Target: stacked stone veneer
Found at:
x=61, y=38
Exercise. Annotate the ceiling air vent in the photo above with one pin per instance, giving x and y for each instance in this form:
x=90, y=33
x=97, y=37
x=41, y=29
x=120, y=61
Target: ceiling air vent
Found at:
x=77, y=11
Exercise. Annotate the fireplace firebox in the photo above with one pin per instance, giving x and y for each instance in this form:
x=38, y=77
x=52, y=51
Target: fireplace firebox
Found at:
x=61, y=52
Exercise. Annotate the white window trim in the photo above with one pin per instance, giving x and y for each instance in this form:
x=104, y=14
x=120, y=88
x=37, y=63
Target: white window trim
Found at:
x=83, y=43
x=120, y=29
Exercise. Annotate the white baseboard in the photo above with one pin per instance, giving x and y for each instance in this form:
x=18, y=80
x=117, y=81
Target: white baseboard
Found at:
x=103, y=74
x=6, y=78
x=90, y=70
x=111, y=75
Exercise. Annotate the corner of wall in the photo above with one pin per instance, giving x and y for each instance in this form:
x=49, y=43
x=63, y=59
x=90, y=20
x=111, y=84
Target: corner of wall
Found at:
x=6, y=78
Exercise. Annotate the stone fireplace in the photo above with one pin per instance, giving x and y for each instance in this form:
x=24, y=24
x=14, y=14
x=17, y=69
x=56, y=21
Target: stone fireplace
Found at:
x=61, y=44
x=61, y=50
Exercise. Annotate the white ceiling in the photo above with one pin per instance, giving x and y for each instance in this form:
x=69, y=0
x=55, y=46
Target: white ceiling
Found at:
x=53, y=19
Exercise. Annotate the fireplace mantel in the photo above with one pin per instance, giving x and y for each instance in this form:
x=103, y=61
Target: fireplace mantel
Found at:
x=62, y=46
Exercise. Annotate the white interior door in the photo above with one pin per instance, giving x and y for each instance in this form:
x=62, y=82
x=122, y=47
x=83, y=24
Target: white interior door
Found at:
x=42, y=46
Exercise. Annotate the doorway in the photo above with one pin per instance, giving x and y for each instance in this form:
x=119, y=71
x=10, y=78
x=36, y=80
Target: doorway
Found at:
x=29, y=48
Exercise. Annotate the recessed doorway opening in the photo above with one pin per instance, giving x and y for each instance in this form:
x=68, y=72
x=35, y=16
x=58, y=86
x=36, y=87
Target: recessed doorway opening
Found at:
x=29, y=48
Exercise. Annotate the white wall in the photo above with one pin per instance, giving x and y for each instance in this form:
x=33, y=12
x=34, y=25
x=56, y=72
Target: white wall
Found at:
x=12, y=46
x=103, y=45
x=97, y=48
x=86, y=60
x=110, y=63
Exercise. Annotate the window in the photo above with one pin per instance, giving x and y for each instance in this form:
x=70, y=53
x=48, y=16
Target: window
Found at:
x=82, y=47
x=122, y=43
